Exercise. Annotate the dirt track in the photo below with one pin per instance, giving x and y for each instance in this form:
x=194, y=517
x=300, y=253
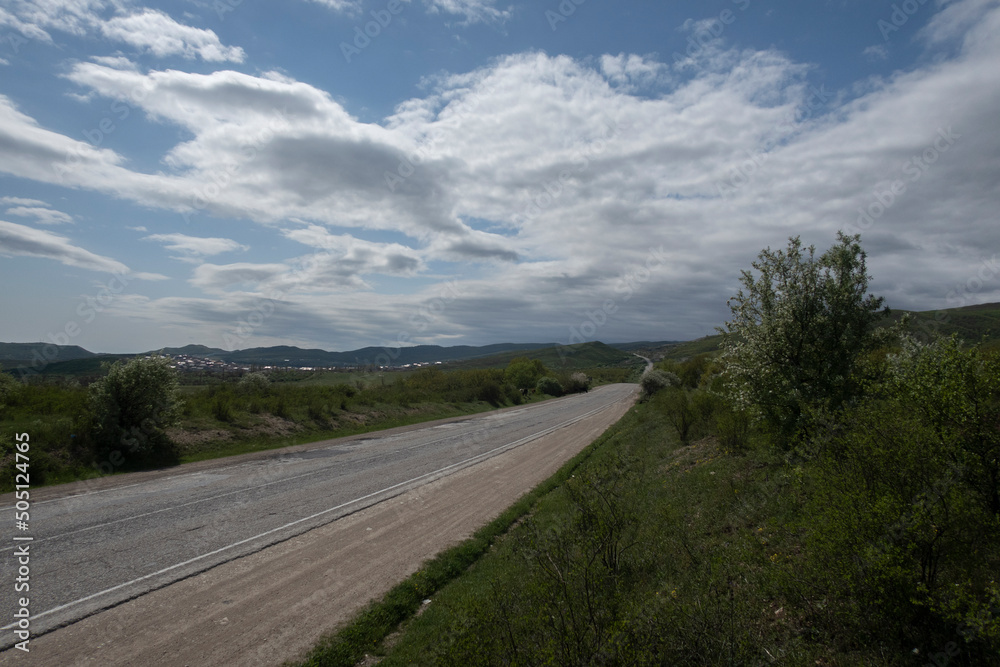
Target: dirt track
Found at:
x=274, y=605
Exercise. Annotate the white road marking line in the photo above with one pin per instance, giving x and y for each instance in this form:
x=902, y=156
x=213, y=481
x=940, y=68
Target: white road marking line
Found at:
x=484, y=456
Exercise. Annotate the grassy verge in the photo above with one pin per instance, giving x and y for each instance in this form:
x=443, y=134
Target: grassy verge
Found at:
x=642, y=551
x=369, y=629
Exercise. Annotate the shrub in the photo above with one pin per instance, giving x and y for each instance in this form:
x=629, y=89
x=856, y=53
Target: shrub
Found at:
x=577, y=383
x=255, y=383
x=549, y=385
x=905, y=503
x=9, y=387
x=133, y=404
x=657, y=380
x=222, y=408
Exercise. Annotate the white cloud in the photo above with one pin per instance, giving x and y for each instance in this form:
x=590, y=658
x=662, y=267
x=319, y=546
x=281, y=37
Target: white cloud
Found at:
x=21, y=201
x=42, y=215
x=192, y=248
x=632, y=70
x=876, y=52
x=966, y=20
x=556, y=178
x=156, y=32
x=343, y=6
x=146, y=29
x=21, y=240
x=215, y=278
x=473, y=11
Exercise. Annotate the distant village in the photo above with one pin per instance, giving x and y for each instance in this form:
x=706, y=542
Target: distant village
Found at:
x=187, y=363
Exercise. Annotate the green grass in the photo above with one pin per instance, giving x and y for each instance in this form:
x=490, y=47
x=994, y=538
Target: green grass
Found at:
x=644, y=552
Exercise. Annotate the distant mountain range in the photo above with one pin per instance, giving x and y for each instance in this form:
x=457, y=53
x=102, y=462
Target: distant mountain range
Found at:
x=973, y=323
x=74, y=360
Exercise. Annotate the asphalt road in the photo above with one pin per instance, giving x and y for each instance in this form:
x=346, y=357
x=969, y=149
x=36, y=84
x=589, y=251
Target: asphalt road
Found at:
x=96, y=549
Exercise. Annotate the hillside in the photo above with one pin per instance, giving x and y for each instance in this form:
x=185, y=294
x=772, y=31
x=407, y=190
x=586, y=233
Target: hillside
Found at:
x=973, y=324
x=368, y=356
x=16, y=354
x=560, y=358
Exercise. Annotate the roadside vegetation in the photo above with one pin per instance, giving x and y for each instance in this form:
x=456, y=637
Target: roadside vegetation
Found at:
x=824, y=491
x=137, y=415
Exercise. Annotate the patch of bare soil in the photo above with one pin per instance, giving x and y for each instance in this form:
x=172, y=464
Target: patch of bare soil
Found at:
x=697, y=453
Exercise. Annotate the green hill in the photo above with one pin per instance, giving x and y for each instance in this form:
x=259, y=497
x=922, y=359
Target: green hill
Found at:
x=38, y=354
x=559, y=358
x=971, y=323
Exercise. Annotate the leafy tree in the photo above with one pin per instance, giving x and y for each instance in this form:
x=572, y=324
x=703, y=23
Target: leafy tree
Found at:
x=797, y=330
x=133, y=404
x=524, y=373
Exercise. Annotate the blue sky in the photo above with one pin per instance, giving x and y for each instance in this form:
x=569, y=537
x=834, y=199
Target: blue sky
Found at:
x=344, y=173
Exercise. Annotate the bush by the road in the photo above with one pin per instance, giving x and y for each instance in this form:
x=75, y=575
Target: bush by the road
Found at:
x=132, y=405
x=657, y=380
x=549, y=385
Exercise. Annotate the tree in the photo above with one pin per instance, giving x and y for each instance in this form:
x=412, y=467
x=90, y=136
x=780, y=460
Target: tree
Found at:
x=524, y=373
x=133, y=404
x=797, y=330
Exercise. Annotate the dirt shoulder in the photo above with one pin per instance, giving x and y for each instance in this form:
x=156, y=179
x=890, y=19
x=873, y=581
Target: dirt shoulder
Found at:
x=275, y=604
